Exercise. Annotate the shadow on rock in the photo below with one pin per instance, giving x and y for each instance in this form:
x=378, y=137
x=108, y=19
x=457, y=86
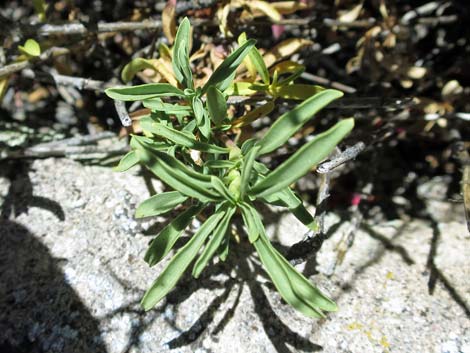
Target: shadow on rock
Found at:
x=40, y=311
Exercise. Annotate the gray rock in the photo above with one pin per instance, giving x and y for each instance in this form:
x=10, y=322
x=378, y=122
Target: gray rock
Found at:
x=72, y=275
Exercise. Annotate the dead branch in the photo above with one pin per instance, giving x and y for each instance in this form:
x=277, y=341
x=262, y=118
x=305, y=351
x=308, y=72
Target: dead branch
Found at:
x=77, y=82
x=47, y=30
x=50, y=53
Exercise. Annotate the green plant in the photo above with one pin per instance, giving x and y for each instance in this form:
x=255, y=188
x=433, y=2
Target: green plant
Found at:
x=188, y=146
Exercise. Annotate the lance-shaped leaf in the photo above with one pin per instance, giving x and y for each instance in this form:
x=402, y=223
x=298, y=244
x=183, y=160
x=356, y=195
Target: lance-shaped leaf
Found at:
x=222, y=189
x=302, y=286
x=243, y=89
x=127, y=162
x=141, y=92
x=220, y=164
x=175, y=174
x=168, y=236
x=247, y=167
x=214, y=243
x=183, y=56
x=185, y=139
x=286, y=67
x=255, y=60
x=227, y=68
x=300, y=293
x=217, y=105
x=259, y=64
x=198, y=109
x=253, y=115
x=158, y=105
x=139, y=141
x=297, y=208
x=180, y=61
x=290, y=122
x=205, y=128
x=160, y=203
x=303, y=160
x=250, y=215
x=296, y=91
x=281, y=279
x=179, y=263
x=287, y=198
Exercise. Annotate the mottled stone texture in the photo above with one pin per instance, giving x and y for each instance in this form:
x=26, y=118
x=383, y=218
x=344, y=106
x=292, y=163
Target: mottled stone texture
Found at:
x=72, y=275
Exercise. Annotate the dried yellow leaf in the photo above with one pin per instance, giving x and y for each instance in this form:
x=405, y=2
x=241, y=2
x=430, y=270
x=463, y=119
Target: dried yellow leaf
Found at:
x=255, y=114
x=350, y=15
x=222, y=15
x=289, y=7
x=166, y=70
x=3, y=86
x=263, y=8
x=169, y=20
x=284, y=50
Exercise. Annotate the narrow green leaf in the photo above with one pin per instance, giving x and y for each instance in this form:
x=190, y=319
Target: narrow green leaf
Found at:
x=179, y=263
x=158, y=105
x=247, y=166
x=303, y=288
x=301, y=213
x=141, y=92
x=247, y=145
x=160, y=203
x=225, y=83
x=296, y=74
x=280, y=278
x=217, y=105
x=261, y=168
x=214, y=243
x=190, y=126
x=198, y=109
x=168, y=236
x=249, y=215
x=181, y=138
x=127, y=162
x=228, y=67
x=139, y=141
x=290, y=122
x=242, y=89
x=256, y=59
x=287, y=198
x=222, y=189
x=303, y=160
x=220, y=164
x=298, y=91
x=180, y=61
x=178, y=176
x=205, y=128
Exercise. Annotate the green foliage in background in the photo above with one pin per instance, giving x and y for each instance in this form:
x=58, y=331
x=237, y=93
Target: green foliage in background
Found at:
x=186, y=146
